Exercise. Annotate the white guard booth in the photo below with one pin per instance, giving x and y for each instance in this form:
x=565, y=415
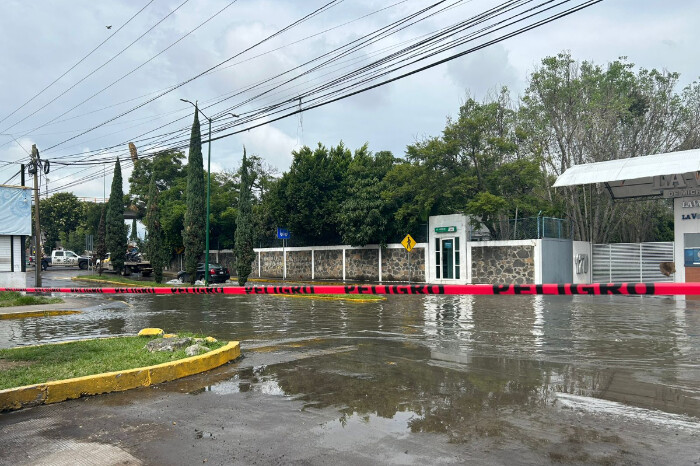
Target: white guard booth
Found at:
x=15, y=226
x=674, y=175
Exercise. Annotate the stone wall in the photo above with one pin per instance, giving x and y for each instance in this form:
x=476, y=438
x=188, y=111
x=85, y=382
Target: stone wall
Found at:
x=503, y=264
x=328, y=264
x=272, y=265
x=395, y=265
x=299, y=265
x=362, y=264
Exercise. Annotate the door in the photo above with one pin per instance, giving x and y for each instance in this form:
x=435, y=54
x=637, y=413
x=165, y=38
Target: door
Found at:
x=57, y=258
x=447, y=259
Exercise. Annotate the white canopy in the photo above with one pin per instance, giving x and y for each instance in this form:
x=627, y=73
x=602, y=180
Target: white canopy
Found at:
x=674, y=174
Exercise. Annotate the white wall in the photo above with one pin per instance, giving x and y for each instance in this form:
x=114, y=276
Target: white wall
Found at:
x=682, y=226
x=13, y=279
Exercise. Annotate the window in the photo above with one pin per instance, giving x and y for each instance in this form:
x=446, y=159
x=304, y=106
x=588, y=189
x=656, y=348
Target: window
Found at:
x=437, y=258
x=59, y=253
x=457, y=258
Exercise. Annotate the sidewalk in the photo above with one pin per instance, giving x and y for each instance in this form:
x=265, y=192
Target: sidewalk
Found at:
x=69, y=304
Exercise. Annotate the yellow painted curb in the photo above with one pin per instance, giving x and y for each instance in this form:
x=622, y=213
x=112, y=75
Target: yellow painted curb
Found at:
x=22, y=315
x=60, y=390
x=110, y=282
x=331, y=298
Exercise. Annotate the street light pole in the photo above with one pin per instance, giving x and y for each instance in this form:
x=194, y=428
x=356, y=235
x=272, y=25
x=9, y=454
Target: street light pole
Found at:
x=206, y=252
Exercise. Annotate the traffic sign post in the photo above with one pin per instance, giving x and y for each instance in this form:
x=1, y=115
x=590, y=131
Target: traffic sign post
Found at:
x=408, y=243
x=283, y=234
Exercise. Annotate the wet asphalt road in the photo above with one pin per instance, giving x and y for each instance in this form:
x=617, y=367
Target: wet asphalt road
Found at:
x=409, y=380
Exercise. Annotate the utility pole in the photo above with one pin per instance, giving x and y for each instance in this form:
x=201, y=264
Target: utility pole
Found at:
x=37, y=227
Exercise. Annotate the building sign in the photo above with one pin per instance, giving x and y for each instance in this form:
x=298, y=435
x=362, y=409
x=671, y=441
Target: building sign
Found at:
x=677, y=185
x=15, y=211
x=445, y=229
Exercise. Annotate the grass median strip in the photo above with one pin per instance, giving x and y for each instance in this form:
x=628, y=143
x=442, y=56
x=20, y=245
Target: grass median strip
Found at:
x=15, y=298
x=39, y=364
x=118, y=280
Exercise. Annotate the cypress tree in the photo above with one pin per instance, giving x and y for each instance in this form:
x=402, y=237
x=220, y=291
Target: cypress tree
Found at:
x=193, y=234
x=101, y=251
x=134, y=235
x=115, y=228
x=244, y=227
x=154, y=246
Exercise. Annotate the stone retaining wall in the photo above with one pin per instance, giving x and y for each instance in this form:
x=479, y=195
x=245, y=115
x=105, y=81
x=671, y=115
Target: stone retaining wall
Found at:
x=395, y=265
x=503, y=264
x=328, y=264
x=362, y=264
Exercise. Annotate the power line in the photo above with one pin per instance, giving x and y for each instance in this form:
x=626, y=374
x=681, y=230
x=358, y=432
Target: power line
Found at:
x=281, y=31
x=78, y=63
x=348, y=91
x=99, y=67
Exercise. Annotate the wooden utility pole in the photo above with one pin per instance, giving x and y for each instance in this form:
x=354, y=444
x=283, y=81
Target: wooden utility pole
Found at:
x=37, y=228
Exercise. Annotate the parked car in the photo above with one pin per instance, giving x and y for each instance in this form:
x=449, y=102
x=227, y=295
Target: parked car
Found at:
x=217, y=273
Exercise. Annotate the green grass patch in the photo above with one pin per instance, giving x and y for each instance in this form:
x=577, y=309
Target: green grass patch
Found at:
x=15, y=298
x=118, y=279
x=38, y=364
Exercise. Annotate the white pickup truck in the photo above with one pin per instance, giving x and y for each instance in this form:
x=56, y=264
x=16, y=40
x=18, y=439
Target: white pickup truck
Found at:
x=66, y=258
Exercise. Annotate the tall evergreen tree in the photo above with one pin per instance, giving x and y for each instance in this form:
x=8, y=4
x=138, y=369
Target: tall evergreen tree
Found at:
x=101, y=251
x=244, y=226
x=115, y=228
x=194, y=232
x=133, y=236
x=154, y=246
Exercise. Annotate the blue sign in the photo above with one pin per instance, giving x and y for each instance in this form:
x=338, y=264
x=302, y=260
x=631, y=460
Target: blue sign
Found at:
x=282, y=233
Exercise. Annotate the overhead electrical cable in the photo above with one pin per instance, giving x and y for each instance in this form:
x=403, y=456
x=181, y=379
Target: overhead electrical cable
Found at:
x=99, y=67
x=281, y=31
x=333, y=95
x=77, y=63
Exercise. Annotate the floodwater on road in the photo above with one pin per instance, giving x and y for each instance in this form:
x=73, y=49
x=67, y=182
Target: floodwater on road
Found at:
x=500, y=379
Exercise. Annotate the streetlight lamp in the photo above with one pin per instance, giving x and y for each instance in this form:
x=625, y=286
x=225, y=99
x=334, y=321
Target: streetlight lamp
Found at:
x=206, y=252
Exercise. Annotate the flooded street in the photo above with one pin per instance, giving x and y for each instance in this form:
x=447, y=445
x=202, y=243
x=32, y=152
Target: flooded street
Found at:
x=487, y=379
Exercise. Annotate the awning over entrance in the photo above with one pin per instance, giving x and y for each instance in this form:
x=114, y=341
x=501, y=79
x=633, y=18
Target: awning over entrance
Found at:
x=675, y=174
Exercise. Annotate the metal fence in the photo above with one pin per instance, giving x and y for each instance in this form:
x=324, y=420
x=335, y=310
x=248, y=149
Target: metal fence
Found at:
x=631, y=262
x=537, y=228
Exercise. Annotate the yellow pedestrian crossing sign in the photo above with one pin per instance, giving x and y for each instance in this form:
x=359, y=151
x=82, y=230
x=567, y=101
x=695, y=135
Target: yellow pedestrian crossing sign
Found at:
x=408, y=242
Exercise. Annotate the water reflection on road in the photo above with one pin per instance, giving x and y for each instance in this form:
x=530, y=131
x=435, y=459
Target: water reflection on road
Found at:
x=455, y=365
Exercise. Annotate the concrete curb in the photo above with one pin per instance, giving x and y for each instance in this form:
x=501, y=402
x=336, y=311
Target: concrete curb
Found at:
x=61, y=390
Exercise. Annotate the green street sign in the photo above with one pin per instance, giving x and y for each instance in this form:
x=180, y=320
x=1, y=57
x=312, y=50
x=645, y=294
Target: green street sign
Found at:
x=445, y=229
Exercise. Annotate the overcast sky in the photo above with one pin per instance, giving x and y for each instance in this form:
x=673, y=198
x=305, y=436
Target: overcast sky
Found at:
x=42, y=39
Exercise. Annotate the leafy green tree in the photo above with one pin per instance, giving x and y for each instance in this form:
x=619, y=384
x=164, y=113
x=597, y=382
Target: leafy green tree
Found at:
x=60, y=214
x=154, y=246
x=194, y=232
x=307, y=198
x=115, y=228
x=580, y=112
x=245, y=227
x=365, y=216
x=169, y=171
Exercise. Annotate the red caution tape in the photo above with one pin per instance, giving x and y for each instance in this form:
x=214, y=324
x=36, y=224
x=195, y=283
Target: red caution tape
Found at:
x=549, y=289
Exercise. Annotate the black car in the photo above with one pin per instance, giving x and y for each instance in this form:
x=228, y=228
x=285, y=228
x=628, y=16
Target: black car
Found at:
x=217, y=273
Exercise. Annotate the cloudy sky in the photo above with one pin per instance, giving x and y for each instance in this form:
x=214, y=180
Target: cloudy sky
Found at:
x=150, y=51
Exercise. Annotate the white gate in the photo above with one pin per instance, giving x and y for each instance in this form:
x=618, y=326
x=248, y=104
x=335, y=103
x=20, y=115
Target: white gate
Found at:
x=631, y=262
